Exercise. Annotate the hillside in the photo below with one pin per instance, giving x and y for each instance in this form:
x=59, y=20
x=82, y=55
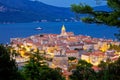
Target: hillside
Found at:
x=29, y=11
x=8, y=14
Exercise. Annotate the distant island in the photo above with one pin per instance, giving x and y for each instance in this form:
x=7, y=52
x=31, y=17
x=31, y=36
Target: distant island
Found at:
x=34, y=11
x=31, y=11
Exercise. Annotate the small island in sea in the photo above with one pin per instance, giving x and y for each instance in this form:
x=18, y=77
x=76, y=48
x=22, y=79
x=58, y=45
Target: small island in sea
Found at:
x=59, y=47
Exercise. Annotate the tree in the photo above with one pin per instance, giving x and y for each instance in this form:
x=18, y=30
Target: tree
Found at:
x=8, y=67
x=32, y=70
x=71, y=58
x=37, y=69
x=51, y=74
x=115, y=47
x=83, y=71
x=111, y=18
x=81, y=9
x=114, y=69
x=109, y=70
x=103, y=73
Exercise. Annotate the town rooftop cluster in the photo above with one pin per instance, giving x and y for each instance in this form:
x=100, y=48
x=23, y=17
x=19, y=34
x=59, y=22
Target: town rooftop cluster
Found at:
x=59, y=47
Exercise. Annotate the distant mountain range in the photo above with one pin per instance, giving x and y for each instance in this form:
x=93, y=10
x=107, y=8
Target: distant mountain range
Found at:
x=30, y=11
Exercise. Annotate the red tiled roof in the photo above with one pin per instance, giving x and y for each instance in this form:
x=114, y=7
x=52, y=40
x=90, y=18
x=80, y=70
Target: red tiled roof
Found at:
x=98, y=53
x=71, y=51
x=96, y=68
x=114, y=59
x=87, y=54
x=37, y=44
x=89, y=42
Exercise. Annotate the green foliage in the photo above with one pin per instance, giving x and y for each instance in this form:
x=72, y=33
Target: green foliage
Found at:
x=114, y=69
x=81, y=8
x=83, y=63
x=83, y=71
x=114, y=4
x=101, y=17
x=109, y=70
x=87, y=20
x=102, y=65
x=115, y=47
x=36, y=69
x=8, y=67
x=33, y=68
x=71, y=58
x=51, y=74
x=109, y=18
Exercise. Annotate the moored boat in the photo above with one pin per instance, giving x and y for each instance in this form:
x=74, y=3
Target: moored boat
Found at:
x=38, y=28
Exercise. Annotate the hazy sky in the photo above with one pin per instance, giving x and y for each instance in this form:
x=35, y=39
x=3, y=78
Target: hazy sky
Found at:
x=67, y=3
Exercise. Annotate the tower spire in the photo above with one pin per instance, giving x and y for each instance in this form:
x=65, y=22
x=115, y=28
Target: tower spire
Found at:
x=63, y=31
x=63, y=28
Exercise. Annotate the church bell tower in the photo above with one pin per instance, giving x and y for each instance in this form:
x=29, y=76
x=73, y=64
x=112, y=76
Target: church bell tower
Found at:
x=63, y=31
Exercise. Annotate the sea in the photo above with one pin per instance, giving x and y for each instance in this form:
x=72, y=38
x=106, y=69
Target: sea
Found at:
x=22, y=30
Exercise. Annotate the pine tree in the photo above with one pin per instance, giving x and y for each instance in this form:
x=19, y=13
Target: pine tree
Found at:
x=8, y=67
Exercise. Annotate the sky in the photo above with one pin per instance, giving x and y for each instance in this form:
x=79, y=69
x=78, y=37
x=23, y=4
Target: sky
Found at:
x=67, y=3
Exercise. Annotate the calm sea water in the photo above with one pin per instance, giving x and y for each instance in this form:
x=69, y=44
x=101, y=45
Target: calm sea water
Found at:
x=8, y=31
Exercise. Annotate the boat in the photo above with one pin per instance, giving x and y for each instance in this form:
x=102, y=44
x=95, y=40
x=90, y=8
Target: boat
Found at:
x=38, y=28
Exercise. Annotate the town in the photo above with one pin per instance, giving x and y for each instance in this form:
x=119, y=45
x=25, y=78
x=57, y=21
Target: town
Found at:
x=60, y=48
